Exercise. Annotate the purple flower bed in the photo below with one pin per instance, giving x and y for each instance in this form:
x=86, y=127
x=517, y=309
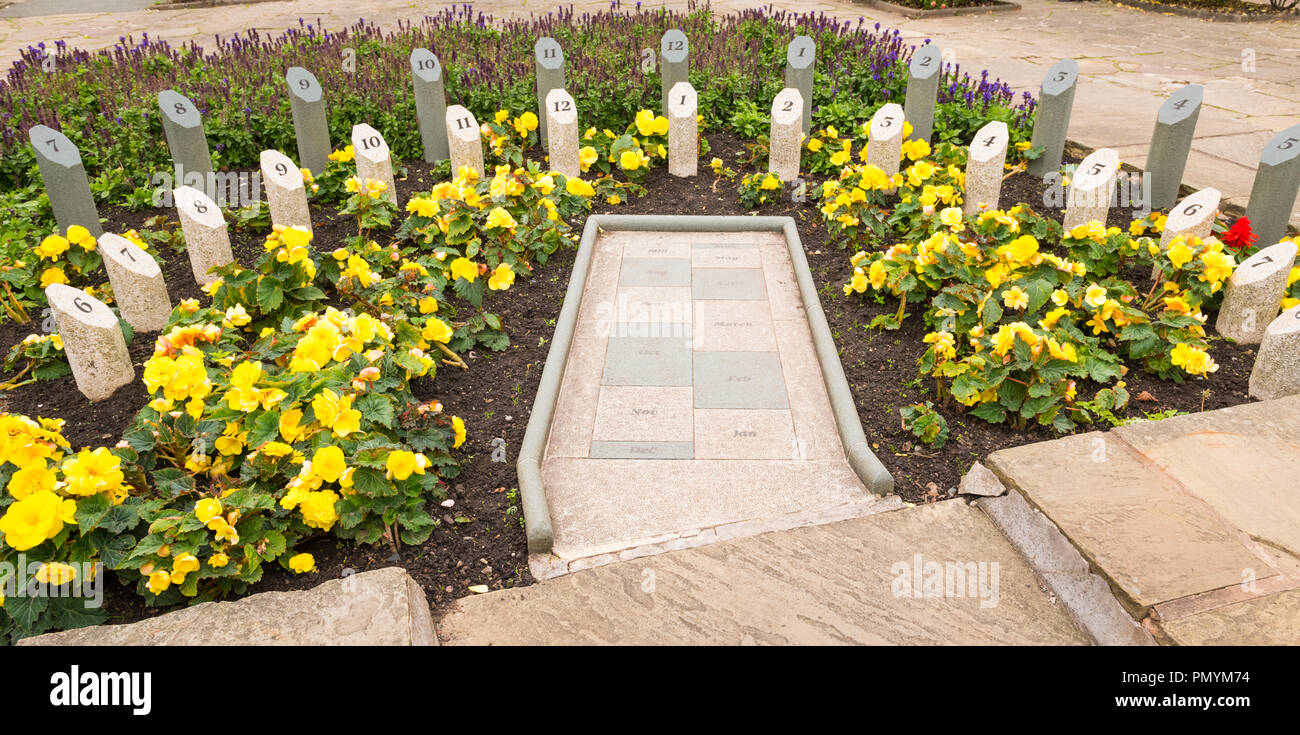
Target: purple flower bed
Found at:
x=105, y=100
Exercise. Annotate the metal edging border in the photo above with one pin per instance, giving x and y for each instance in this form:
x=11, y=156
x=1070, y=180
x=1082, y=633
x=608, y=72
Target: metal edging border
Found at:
x=537, y=516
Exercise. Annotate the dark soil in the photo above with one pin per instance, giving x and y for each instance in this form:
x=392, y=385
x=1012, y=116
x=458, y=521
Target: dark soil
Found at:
x=480, y=540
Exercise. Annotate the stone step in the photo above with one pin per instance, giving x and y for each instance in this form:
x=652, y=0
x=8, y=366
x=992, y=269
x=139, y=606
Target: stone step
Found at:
x=841, y=583
x=382, y=607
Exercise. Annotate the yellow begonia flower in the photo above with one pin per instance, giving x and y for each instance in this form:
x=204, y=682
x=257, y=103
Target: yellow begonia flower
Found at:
x=51, y=247
x=502, y=278
x=498, y=218
x=458, y=428
x=465, y=269
x=1015, y=298
x=1194, y=360
x=40, y=516
x=436, y=330
x=159, y=582
x=318, y=509
x=94, y=472
x=328, y=463
x=578, y=187
x=51, y=276
x=207, y=509
x=302, y=563
x=336, y=413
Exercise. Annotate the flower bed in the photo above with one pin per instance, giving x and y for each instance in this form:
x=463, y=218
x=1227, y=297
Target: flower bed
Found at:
x=318, y=407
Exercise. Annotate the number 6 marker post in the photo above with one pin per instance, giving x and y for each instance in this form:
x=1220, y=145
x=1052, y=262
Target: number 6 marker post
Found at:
x=92, y=340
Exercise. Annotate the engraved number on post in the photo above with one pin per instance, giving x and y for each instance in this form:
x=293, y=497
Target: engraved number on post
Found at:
x=462, y=123
x=82, y=305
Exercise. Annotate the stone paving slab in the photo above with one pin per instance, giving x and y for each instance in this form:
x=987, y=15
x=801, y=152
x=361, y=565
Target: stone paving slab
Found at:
x=1130, y=521
x=1193, y=520
x=655, y=439
x=603, y=505
x=831, y=584
x=1243, y=461
x=382, y=607
x=1264, y=621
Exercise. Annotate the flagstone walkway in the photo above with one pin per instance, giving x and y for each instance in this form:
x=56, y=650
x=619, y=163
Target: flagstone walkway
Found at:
x=692, y=401
x=908, y=577
x=1194, y=520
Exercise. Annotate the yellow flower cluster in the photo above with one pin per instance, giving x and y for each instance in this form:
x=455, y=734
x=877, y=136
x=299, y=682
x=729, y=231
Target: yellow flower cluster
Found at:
x=44, y=477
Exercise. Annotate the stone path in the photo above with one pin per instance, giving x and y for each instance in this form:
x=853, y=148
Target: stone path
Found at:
x=846, y=582
x=1194, y=520
x=692, y=401
x=1129, y=60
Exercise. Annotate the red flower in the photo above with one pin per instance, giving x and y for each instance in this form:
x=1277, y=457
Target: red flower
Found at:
x=1239, y=237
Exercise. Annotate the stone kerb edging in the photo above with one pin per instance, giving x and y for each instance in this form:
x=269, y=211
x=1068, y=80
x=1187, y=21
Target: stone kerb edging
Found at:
x=913, y=13
x=537, y=516
x=1206, y=14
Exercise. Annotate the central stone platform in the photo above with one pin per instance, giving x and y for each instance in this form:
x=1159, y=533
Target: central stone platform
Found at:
x=693, y=401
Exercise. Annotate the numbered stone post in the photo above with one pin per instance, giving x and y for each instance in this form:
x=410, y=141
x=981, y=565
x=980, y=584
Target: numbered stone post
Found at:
x=307, y=103
x=464, y=139
x=984, y=165
x=923, y=90
x=137, y=282
x=1277, y=181
x=548, y=59
x=1254, y=293
x=674, y=63
x=373, y=158
x=1091, y=187
x=1052, y=119
x=430, y=104
x=800, y=67
x=1277, y=366
x=92, y=341
x=183, y=128
x=206, y=239
x=885, y=138
x=683, y=131
x=562, y=121
x=785, y=140
x=65, y=180
x=286, y=192
x=1171, y=142
x=1193, y=216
